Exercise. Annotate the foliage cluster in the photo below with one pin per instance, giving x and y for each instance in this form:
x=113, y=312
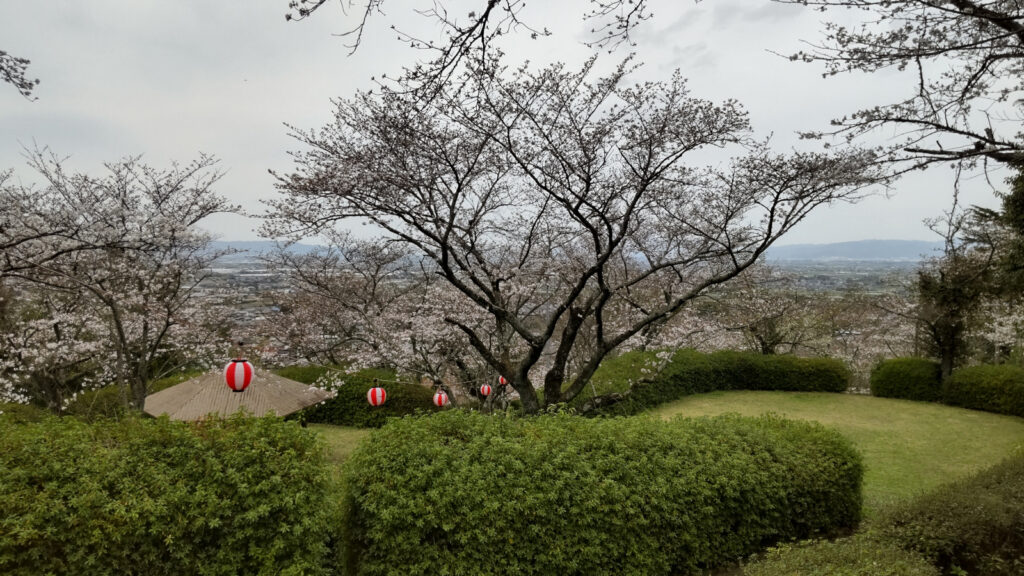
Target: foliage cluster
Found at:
x=109, y=401
x=992, y=388
x=463, y=493
x=21, y=413
x=974, y=525
x=349, y=406
x=236, y=496
x=854, y=556
x=908, y=378
x=995, y=388
x=971, y=526
x=643, y=385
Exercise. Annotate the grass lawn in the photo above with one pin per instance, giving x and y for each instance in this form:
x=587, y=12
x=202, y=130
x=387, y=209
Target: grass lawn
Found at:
x=341, y=440
x=908, y=447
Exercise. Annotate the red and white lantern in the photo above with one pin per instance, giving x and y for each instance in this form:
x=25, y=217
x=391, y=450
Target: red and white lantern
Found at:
x=376, y=396
x=485, y=390
x=238, y=374
x=440, y=399
x=502, y=381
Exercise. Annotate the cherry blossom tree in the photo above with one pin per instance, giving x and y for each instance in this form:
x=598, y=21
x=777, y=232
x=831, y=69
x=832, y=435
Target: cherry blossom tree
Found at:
x=766, y=309
x=1000, y=332
x=964, y=103
x=968, y=62
x=470, y=30
x=371, y=303
x=551, y=201
x=51, y=345
x=128, y=247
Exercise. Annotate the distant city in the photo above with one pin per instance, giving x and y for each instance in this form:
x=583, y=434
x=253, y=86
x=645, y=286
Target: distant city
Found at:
x=867, y=266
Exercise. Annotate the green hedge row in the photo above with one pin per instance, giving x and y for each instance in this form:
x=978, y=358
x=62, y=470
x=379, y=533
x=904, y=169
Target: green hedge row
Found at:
x=854, y=556
x=155, y=497
x=349, y=406
x=908, y=378
x=992, y=388
x=691, y=372
x=973, y=526
x=463, y=493
x=107, y=402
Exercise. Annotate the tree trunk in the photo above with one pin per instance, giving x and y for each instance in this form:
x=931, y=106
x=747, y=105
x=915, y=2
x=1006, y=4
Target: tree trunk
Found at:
x=946, y=362
x=137, y=399
x=527, y=396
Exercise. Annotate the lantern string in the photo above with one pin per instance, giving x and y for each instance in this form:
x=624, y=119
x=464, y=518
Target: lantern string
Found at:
x=475, y=381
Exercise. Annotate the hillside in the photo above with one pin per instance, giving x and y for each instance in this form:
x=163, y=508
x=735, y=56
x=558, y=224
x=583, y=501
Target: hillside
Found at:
x=862, y=250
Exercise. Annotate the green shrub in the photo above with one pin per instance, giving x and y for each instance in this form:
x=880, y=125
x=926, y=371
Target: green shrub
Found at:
x=463, y=493
x=22, y=413
x=855, y=556
x=350, y=408
x=992, y=388
x=307, y=373
x=690, y=372
x=909, y=378
x=107, y=402
x=975, y=525
x=155, y=497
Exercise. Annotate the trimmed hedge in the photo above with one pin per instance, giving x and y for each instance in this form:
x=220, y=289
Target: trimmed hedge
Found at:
x=908, y=378
x=854, y=556
x=155, y=497
x=992, y=388
x=463, y=493
x=349, y=406
x=691, y=372
x=106, y=402
x=974, y=525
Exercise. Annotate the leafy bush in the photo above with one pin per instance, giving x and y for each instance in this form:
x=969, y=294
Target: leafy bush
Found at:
x=908, y=378
x=350, y=408
x=155, y=497
x=308, y=373
x=974, y=525
x=855, y=556
x=691, y=372
x=22, y=413
x=107, y=402
x=992, y=388
x=462, y=493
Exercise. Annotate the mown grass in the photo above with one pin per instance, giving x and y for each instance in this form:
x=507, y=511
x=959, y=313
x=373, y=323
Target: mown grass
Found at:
x=908, y=447
x=341, y=440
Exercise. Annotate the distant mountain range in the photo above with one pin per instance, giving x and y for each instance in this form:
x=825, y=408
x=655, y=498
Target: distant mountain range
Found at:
x=249, y=250
x=861, y=250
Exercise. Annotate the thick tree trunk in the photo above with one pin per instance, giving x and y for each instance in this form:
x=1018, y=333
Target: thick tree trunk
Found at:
x=946, y=362
x=527, y=396
x=137, y=398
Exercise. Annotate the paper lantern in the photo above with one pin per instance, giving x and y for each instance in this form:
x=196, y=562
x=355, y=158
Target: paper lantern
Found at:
x=238, y=374
x=485, y=390
x=376, y=396
x=440, y=399
x=502, y=381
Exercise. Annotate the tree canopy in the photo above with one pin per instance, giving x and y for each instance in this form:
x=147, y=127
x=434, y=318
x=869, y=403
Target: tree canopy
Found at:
x=967, y=57
x=565, y=207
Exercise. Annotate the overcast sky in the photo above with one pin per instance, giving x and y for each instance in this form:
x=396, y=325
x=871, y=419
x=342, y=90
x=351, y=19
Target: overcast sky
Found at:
x=169, y=79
